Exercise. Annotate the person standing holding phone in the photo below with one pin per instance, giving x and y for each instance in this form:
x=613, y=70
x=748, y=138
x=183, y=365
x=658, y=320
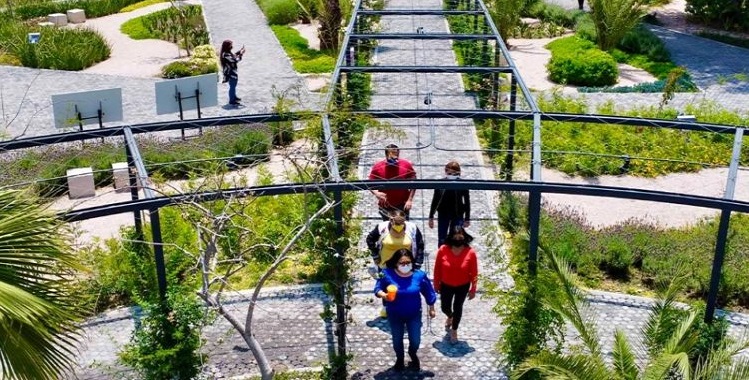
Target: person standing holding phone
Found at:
x=229, y=62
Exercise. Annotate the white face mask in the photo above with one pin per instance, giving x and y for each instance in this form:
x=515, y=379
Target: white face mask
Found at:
x=404, y=268
x=452, y=176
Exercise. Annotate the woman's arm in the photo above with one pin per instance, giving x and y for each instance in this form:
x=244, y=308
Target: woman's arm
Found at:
x=467, y=202
x=437, y=273
x=473, y=270
x=373, y=240
x=425, y=286
x=419, y=254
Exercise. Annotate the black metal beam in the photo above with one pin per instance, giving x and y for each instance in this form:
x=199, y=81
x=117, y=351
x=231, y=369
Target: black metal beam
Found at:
x=561, y=117
x=416, y=12
x=422, y=36
x=31, y=142
x=493, y=185
x=426, y=69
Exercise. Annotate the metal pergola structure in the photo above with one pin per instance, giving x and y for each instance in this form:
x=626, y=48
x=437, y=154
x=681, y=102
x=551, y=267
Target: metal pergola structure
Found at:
x=152, y=202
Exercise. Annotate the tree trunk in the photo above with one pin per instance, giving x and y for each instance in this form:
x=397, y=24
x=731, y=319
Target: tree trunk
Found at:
x=266, y=371
x=330, y=22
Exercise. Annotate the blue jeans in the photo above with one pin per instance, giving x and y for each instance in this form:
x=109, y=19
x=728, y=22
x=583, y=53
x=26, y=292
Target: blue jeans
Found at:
x=233, y=89
x=398, y=326
x=443, y=226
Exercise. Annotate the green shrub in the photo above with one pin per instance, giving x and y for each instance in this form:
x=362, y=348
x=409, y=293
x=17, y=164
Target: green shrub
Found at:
x=203, y=61
x=168, y=25
x=641, y=40
x=577, y=62
x=57, y=49
x=280, y=12
x=724, y=14
x=141, y=4
x=212, y=145
x=93, y=8
x=586, y=29
x=655, y=253
x=9, y=60
x=555, y=14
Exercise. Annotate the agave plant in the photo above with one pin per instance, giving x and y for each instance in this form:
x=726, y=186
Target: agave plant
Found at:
x=668, y=338
x=37, y=319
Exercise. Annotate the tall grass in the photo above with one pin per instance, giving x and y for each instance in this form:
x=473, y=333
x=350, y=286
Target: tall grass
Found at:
x=58, y=48
x=93, y=8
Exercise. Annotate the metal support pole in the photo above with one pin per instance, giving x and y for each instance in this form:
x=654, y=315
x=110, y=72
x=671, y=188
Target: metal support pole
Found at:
x=720, y=252
x=536, y=149
x=341, y=283
x=158, y=252
x=511, y=134
x=534, y=221
x=725, y=220
x=131, y=172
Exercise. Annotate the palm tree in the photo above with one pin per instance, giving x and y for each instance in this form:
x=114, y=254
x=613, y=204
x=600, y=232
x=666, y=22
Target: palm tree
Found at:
x=668, y=337
x=37, y=319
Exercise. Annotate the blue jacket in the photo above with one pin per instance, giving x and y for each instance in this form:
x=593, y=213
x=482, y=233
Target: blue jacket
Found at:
x=407, y=301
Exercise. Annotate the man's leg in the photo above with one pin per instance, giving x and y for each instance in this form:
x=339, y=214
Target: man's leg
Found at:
x=580, y=4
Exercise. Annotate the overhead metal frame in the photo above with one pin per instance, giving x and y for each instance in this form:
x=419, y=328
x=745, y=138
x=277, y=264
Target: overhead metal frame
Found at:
x=534, y=188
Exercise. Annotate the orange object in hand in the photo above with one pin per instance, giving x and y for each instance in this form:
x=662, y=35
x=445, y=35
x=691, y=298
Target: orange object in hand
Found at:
x=391, y=291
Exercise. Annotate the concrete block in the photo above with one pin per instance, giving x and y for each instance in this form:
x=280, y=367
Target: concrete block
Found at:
x=76, y=16
x=81, y=183
x=120, y=173
x=46, y=24
x=59, y=19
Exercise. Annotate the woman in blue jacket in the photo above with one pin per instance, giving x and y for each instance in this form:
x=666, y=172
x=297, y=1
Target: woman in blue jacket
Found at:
x=400, y=286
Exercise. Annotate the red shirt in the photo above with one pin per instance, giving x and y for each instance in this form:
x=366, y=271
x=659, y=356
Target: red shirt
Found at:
x=456, y=270
x=404, y=170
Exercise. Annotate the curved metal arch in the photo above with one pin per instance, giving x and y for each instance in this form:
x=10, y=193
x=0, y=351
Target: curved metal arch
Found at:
x=516, y=186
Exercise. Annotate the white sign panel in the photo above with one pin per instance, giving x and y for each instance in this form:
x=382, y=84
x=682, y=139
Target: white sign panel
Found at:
x=66, y=107
x=167, y=100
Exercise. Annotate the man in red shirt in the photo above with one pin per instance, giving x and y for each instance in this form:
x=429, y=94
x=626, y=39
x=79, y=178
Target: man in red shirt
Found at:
x=393, y=167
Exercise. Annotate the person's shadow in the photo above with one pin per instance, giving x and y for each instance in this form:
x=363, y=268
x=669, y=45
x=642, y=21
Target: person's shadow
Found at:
x=390, y=374
x=452, y=350
x=379, y=323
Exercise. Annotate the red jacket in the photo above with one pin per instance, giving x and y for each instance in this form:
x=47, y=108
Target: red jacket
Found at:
x=404, y=170
x=456, y=270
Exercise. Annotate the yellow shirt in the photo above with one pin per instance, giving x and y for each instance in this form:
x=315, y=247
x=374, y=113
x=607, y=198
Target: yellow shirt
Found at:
x=390, y=244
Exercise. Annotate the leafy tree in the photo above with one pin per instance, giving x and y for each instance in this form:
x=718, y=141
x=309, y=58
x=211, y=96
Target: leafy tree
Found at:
x=669, y=338
x=37, y=321
x=614, y=18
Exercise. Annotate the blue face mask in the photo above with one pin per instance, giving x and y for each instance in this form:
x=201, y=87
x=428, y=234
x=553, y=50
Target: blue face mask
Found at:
x=392, y=161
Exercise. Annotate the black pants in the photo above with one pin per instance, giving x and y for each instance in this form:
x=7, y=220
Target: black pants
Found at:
x=385, y=212
x=452, y=299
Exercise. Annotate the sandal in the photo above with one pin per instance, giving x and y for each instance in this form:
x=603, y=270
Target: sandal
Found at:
x=448, y=323
x=453, y=336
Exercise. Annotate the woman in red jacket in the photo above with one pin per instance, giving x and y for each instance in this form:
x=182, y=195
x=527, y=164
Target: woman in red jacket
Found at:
x=456, y=273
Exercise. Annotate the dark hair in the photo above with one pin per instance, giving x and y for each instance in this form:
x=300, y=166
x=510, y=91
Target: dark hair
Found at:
x=397, y=255
x=225, y=48
x=458, y=229
x=390, y=147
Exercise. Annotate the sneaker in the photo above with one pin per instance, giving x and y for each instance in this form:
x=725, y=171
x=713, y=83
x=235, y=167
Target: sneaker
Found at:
x=383, y=313
x=239, y=99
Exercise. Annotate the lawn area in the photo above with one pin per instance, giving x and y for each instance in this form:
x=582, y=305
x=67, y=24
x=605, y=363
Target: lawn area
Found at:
x=303, y=59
